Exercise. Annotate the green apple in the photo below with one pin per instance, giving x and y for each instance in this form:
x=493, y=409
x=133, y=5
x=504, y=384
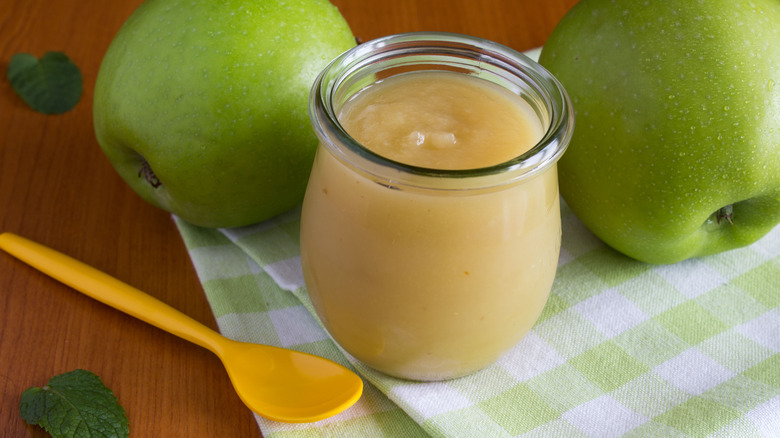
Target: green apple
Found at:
x=676, y=150
x=201, y=105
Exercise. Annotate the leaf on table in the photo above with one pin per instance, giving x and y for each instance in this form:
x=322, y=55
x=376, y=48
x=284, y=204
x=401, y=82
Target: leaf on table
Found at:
x=75, y=404
x=51, y=85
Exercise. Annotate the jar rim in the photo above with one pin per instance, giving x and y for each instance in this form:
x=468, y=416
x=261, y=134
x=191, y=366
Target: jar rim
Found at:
x=468, y=52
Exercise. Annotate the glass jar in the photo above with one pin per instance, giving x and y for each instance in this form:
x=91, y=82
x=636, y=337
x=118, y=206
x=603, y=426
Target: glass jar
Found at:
x=423, y=273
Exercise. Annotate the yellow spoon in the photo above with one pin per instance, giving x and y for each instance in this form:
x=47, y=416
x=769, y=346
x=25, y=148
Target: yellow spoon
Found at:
x=276, y=383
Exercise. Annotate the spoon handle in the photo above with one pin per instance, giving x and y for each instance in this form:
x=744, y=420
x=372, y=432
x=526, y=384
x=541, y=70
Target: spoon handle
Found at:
x=109, y=290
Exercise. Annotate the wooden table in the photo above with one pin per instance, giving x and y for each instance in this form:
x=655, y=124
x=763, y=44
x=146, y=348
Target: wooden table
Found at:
x=57, y=187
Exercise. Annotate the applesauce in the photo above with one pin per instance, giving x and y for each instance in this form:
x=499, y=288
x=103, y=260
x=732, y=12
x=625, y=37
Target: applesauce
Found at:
x=430, y=228
x=441, y=120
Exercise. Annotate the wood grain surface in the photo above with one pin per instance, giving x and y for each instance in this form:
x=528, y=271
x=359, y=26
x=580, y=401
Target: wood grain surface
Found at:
x=57, y=187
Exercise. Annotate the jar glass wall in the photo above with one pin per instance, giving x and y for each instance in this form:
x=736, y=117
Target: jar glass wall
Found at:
x=424, y=273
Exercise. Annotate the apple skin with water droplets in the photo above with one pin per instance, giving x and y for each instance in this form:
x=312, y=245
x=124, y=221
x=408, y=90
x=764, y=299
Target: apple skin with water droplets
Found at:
x=202, y=105
x=676, y=150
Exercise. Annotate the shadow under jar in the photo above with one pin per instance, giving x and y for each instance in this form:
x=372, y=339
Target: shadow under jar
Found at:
x=429, y=273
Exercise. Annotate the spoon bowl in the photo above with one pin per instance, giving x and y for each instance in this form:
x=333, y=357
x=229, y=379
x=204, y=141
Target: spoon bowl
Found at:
x=276, y=383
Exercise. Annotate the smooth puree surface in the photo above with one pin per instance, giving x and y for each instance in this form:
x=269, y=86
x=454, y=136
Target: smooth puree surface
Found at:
x=441, y=120
x=426, y=284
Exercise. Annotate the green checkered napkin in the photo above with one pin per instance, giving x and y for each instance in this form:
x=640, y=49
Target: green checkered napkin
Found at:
x=622, y=348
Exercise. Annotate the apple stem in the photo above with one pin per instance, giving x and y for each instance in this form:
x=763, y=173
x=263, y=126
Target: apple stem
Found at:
x=148, y=174
x=725, y=213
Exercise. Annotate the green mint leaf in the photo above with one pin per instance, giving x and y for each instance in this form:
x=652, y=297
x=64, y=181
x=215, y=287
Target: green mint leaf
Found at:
x=75, y=405
x=51, y=85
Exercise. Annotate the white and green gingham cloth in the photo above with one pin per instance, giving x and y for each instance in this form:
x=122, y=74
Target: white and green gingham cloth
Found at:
x=622, y=348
